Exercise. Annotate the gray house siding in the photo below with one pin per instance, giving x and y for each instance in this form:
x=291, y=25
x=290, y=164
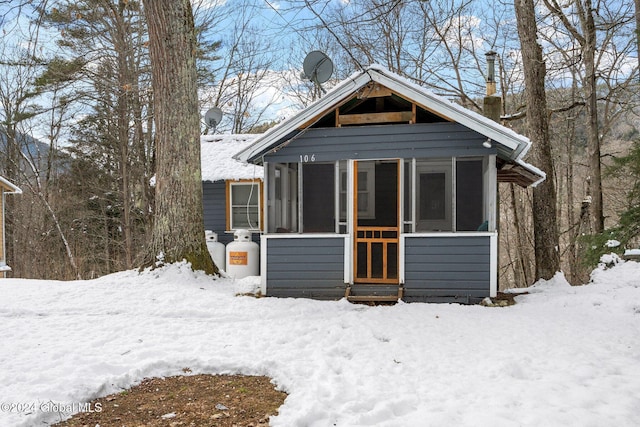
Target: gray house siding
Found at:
x=447, y=268
x=305, y=267
x=428, y=140
x=214, y=204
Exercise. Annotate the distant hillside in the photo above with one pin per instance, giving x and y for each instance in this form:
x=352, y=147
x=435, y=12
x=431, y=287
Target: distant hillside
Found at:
x=30, y=145
x=36, y=150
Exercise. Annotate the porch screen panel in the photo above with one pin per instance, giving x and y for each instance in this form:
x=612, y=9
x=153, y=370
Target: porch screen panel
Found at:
x=434, y=190
x=433, y=196
x=318, y=199
x=469, y=195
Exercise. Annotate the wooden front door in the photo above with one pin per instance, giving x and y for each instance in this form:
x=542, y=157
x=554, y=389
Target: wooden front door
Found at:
x=377, y=221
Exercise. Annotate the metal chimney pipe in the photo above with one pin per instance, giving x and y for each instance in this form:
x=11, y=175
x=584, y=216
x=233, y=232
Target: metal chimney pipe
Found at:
x=491, y=72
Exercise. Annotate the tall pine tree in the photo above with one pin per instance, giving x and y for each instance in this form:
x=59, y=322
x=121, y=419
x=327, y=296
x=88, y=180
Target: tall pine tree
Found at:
x=178, y=226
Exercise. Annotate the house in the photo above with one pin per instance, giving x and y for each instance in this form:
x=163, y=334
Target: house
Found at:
x=382, y=190
x=232, y=190
x=5, y=188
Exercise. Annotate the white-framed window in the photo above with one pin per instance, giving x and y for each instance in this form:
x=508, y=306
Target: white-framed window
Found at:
x=285, y=199
x=433, y=196
x=244, y=205
x=366, y=190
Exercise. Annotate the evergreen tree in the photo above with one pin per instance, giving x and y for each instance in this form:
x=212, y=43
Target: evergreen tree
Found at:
x=627, y=231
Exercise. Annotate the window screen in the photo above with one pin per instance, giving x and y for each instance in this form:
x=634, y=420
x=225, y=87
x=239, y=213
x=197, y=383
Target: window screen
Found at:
x=469, y=195
x=318, y=200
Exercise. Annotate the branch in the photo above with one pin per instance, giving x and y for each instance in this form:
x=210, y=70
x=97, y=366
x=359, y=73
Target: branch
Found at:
x=523, y=113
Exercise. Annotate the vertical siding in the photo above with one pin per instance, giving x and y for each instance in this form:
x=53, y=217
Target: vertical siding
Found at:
x=447, y=268
x=305, y=267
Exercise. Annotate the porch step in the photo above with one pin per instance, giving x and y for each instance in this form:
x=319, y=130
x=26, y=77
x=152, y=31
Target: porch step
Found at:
x=373, y=293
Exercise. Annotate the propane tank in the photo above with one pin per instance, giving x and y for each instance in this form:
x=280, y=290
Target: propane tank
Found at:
x=243, y=256
x=216, y=249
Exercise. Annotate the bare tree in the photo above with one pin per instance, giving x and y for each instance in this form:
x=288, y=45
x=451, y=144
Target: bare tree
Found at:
x=544, y=195
x=178, y=228
x=594, y=29
x=637, y=16
x=106, y=39
x=24, y=159
x=247, y=84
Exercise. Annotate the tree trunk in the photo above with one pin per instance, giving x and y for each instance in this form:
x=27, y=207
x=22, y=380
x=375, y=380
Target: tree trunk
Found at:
x=521, y=242
x=545, y=226
x=178, y=228
x=637, y=2
x=593, y=137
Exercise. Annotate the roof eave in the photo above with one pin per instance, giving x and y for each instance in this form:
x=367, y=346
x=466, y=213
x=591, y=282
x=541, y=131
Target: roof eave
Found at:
x=521, y=173
x=335, y=96
x=517, y=144
x=11, y=188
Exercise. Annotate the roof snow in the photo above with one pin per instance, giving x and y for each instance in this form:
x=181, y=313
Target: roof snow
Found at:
x=217, y=157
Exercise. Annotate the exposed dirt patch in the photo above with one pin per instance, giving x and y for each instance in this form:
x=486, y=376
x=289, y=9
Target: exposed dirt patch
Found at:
x=192, y=400
x=508, y=297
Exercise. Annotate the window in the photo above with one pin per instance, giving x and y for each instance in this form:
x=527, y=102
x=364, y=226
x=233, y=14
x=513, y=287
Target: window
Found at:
x=284, y=212
x=244, y=205
x=366, y=190
x=434, y=202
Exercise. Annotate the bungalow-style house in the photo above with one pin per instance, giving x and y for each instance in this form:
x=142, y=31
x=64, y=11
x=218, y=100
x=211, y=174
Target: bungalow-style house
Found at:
x=232, y=190
x=379, y=190
x=5, y=188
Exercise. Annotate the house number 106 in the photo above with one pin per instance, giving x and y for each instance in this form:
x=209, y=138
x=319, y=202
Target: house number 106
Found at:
x=306, y=158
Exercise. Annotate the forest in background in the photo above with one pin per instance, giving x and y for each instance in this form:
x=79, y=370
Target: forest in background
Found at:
x=76, y=77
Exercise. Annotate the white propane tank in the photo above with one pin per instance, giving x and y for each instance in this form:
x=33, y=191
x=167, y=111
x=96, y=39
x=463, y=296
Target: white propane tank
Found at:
x=216, y=249
x=243, y=256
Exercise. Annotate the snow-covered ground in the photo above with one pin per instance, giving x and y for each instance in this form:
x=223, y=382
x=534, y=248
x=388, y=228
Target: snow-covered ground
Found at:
x=562, y=356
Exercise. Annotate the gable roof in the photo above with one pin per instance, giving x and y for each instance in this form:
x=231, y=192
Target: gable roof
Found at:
x=216, y=157
x=511, y=146
x=8, y=187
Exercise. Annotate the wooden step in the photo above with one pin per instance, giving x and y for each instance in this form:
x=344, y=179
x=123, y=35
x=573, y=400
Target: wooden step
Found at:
x=373, y=297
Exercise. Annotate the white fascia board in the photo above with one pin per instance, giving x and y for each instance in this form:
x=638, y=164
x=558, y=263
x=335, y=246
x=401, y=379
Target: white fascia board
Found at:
x=13, y=189
x=336, y=95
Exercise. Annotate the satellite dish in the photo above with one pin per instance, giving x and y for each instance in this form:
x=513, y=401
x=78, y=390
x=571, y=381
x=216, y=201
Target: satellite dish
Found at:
x=213, y=116
x=317, y=67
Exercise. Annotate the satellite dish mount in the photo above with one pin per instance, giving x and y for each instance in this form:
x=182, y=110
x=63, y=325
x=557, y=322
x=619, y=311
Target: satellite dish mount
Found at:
x=212, y=117
x=317, y=67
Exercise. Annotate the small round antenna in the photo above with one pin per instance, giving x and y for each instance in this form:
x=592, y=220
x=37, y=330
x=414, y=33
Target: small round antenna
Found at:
x=212, y=117
x=317, y=67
